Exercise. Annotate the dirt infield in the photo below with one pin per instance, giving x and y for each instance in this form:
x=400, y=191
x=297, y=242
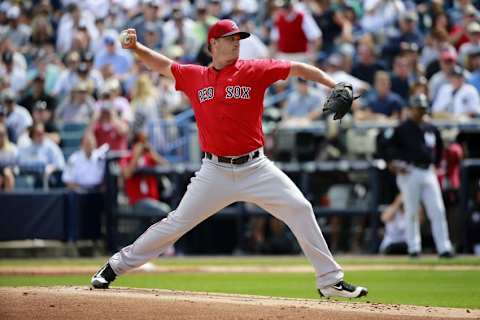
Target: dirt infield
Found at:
x=122, y=303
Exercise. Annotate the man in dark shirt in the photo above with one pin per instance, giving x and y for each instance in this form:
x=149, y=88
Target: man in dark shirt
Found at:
x=416, y=146
x=381, y=102
x=36, y=94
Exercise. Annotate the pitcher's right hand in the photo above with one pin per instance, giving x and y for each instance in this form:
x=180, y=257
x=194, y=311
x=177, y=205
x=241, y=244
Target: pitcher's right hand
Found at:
x=128, y=39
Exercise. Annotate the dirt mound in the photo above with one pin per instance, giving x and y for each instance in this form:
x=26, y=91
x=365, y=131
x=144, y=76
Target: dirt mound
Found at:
x=124, y=303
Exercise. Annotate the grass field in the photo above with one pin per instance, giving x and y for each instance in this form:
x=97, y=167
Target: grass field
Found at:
x=424, y=287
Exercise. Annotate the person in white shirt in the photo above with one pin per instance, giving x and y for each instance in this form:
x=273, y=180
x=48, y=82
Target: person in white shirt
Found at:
x=85, y=168
x=41, y=152
x=457, y=97
x=18, y=118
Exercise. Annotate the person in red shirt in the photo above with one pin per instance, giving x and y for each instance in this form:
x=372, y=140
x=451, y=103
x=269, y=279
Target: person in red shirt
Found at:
x=142, y=189
x=227, y=99
x=109, y=129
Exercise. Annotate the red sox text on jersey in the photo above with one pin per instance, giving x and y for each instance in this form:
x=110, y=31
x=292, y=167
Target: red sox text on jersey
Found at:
x=231, y=92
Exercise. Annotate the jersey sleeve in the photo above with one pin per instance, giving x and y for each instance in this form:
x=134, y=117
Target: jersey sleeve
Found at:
x=273, y=70
x=183, y=75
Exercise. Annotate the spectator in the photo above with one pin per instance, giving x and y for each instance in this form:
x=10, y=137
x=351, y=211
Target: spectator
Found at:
x=111, y=94
x=380, y=15
x=17, y=31
x=3, y=122
x=66, y=80
x=180, y=31
x=88, y=58
x=400, y=77
x=381, y=102
x=18, y=76
x=474, y=78
x=296, y=35
x=367, y=64
x=18, y=118
x=71, y=21
x=448, y=60
x=41, y=152
x=41, y=114
x=77, y=107
x=119, y=60
x=459, y=32
x=85, y=168
x=302, y=106
x=145, y=102
x=142, y=189
x=408, y=34
x=8, y=157
x=457, y=98
x=148, y=20
x=36, y=94
x=472, y=45
x=109, y=128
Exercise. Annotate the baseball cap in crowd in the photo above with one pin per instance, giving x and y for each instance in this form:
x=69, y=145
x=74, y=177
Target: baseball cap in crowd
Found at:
x=409, y=16
x=225, y=28
x=457, y=71
x=8, y=95
x=109, y=39
x=419, y=101
x=473, y=27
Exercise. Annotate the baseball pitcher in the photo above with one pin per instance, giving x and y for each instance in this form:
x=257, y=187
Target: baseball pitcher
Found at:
x=227, y=99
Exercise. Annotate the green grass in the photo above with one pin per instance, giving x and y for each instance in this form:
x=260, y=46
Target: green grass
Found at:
x=427, y=288
x=251, y=261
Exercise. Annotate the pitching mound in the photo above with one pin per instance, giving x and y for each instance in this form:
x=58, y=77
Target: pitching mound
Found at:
x=123, y=303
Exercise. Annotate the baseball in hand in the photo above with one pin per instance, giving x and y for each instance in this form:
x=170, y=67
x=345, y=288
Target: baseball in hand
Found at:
x=124, y=38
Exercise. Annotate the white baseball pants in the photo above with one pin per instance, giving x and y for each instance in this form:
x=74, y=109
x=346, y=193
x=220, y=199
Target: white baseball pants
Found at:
x=215, y=186
x=421, y=185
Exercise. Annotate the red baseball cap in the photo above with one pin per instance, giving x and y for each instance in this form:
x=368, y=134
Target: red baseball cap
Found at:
x=225, y=28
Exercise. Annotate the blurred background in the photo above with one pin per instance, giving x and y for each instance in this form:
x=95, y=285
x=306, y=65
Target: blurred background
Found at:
x=75, y=109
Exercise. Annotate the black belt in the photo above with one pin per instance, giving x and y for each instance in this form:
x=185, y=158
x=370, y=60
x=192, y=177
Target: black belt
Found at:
x=234, y=160
x=421, y=165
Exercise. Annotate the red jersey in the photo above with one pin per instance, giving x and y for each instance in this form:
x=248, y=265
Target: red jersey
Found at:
x=292, y=38
x=106, y=133
x=141, y=186
x=228, y=104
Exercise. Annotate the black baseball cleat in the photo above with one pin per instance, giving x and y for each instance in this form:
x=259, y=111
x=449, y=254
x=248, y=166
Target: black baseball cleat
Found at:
x=103, y=277
x=343, y=289
x=446, y=255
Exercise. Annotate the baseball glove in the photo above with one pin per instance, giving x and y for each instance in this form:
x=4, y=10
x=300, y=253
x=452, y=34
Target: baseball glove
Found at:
x=340, y=100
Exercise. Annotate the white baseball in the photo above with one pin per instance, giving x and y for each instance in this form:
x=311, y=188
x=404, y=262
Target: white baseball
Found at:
x=124, y=38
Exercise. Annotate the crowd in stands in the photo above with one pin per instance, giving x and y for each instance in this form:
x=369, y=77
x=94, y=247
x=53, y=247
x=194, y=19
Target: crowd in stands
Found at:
x=69, y=93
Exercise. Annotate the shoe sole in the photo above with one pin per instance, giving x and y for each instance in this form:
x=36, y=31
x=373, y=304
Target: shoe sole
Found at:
x=362, y=293
x=99, y=285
